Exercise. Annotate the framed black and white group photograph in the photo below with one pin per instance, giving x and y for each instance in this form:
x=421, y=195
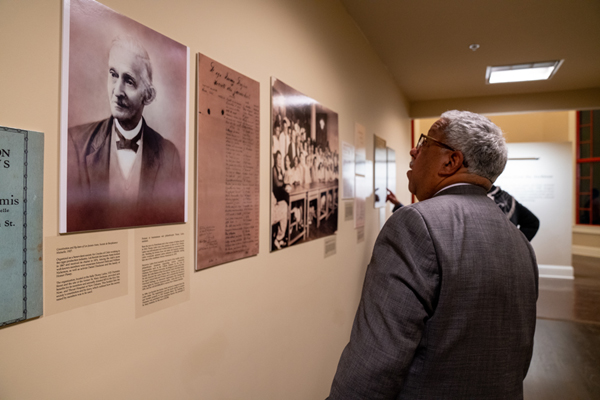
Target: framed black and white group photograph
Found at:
x=305, y=168
x=124, y=122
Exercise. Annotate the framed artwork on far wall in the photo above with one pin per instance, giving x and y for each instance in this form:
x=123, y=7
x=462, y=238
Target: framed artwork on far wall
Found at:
x=380, y=171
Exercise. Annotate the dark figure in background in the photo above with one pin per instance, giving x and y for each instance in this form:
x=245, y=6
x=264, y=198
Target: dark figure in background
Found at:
x=591, y=206
x=121, y=172
x=448, y=306
x=596, y=206
x=517, y=213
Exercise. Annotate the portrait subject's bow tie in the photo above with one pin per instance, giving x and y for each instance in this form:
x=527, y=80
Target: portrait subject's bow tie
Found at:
x=123, y=143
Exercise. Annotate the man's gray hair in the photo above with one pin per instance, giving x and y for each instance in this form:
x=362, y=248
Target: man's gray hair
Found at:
x=479, y=139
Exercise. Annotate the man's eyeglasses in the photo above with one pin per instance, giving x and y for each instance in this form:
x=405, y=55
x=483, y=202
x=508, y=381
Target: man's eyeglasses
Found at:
x=424, y=138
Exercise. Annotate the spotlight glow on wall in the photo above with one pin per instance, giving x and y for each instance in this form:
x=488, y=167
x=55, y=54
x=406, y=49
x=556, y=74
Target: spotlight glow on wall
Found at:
x=522, y=72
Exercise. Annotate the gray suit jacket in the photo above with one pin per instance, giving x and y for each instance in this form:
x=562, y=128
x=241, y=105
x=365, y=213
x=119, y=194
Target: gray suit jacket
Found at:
x=161, y=194
x=448, y=305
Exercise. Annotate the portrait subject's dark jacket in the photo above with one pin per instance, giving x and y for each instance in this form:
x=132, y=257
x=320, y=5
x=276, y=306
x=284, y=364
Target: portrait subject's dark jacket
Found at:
x=161, y=190
x=448, y=307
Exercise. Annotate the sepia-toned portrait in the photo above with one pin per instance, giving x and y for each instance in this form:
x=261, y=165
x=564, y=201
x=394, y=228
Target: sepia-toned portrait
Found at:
x=123, y=122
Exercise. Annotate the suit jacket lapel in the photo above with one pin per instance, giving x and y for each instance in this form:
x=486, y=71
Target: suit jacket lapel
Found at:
x=98, y=156
x=150, y=162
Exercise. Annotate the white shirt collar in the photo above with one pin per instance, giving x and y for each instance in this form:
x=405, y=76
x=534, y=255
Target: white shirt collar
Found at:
x=128, y=134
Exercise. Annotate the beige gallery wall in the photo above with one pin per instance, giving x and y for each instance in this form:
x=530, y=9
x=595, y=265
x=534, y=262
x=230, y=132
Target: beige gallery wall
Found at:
x=268, y=327
x=525, y=127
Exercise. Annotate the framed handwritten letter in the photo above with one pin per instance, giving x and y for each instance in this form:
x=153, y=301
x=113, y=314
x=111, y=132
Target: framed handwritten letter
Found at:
x=228, y=164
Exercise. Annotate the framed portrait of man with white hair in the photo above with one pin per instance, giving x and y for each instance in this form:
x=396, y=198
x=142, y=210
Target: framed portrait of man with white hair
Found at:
x=124, y=122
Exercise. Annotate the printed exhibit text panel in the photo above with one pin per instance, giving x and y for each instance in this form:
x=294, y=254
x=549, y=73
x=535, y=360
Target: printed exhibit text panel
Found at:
x=84, y=269
x=360, y=144
x=364, y=189
x=162, y=278
x=540, y=176
x=348, y=170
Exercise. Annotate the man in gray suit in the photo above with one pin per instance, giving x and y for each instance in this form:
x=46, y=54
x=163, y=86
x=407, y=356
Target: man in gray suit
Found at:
x=448, y=303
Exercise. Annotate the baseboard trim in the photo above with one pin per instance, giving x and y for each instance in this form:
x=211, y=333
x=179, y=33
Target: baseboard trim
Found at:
x=586, y=251
x=556, y=271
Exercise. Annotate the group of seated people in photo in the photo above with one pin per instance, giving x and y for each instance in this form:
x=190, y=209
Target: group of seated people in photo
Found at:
x=297, y=160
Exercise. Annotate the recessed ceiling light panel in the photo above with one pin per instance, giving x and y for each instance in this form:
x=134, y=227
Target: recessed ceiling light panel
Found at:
x=522, y=72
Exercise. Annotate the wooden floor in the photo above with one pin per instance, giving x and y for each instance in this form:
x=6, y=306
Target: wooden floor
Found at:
x=566, y=354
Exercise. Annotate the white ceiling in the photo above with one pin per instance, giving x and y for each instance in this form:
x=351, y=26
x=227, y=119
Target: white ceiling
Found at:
x=425, y=43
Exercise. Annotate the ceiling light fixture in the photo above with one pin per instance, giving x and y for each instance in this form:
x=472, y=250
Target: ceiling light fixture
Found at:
x=522, y=72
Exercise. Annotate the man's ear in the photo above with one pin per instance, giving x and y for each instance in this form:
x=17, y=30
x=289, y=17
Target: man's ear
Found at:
x=452, y=164
x=150, y=95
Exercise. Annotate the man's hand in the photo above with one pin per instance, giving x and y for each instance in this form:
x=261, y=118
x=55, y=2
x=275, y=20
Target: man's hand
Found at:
x=391, y=197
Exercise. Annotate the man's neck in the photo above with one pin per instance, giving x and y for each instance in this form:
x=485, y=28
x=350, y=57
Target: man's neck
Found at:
x=464, y=177
x=460, y=177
